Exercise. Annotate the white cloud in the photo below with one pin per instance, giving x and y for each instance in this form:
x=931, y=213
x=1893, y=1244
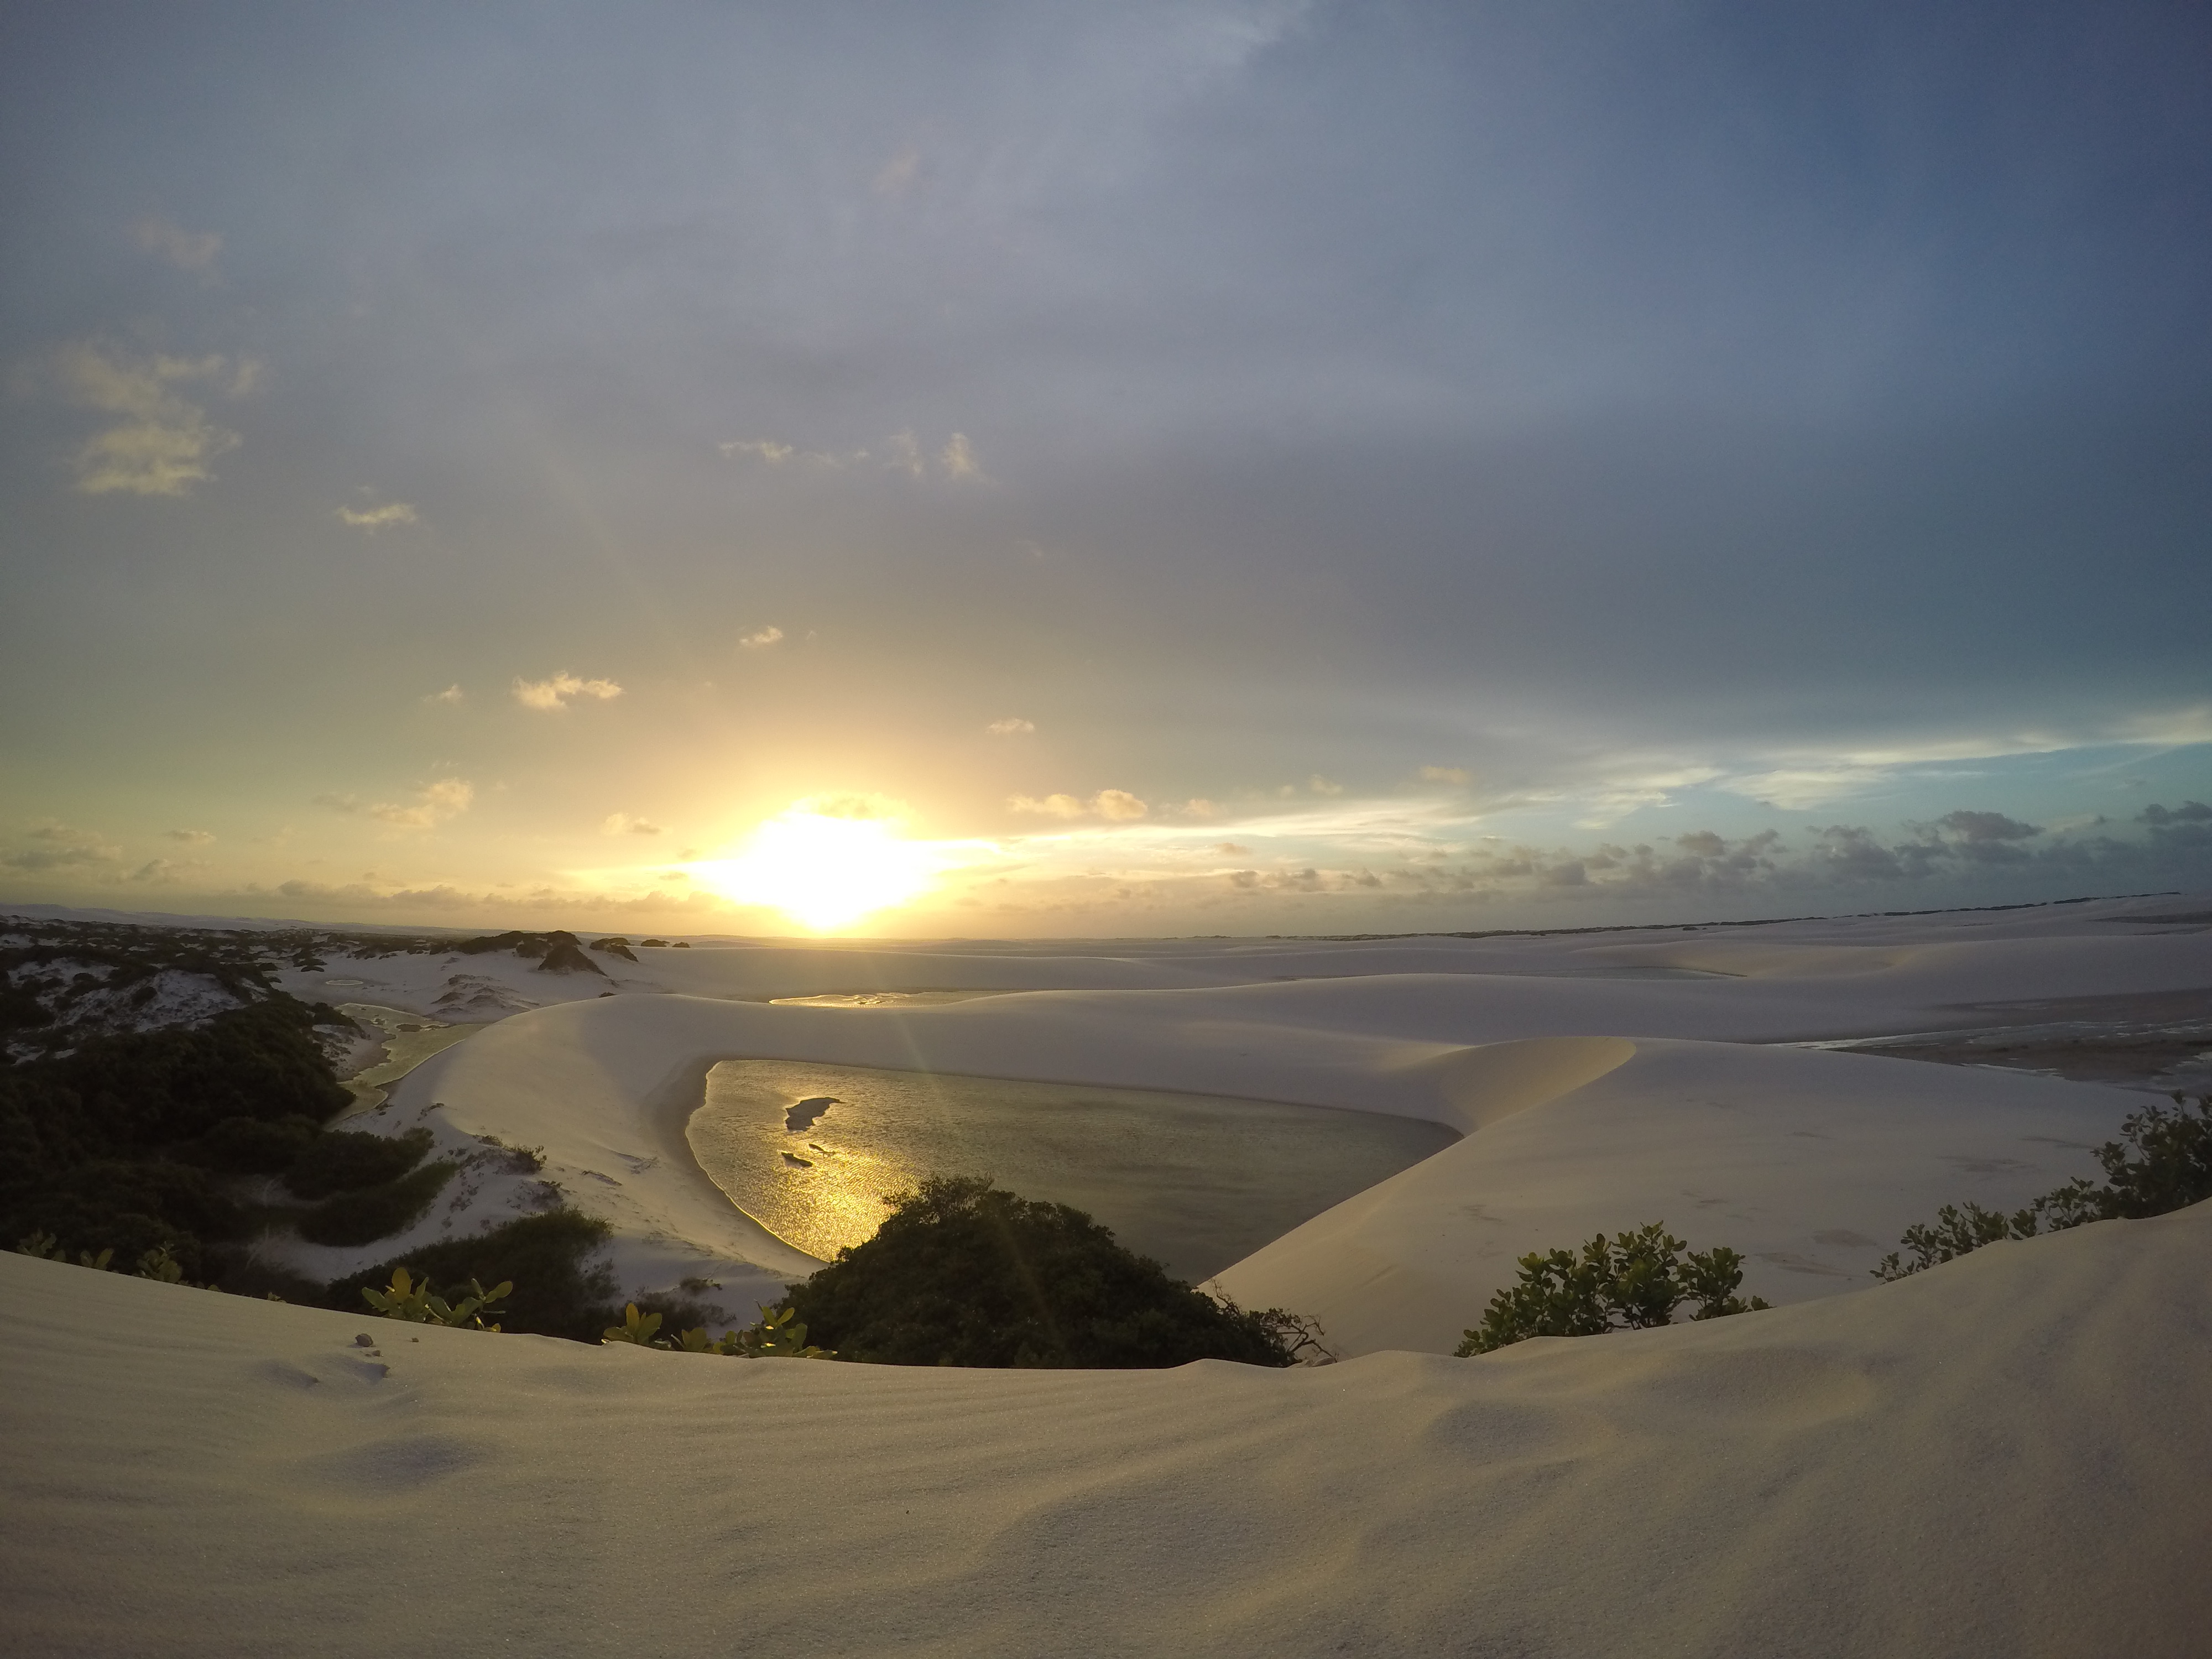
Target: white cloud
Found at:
x=432, y=804
x=957, y=457
x=190, y=251
x=163, y=441
x=554, y=693
x=766, y=449
x=1119, y=805
x=1051, y=807
x=452, y=694
x=906, y=455
x=1199, y=807
x=189, y=837
x=1322, y=785
x=1012, y=726
x=621, y=823
x=760, y=637
x=1116, y=805
x=379, y=518
x=1456, y=776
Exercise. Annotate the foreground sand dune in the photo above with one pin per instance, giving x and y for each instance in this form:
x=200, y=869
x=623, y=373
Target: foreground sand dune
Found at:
x=2004, y=1456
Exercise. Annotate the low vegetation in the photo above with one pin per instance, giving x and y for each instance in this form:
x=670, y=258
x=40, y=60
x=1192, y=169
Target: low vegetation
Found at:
x=1632, y=1281
x=410, y=1299
x=2162, y=1162
x=378, y=1211
x=546, y=1258
x=961, y=1273
x=126, y=1141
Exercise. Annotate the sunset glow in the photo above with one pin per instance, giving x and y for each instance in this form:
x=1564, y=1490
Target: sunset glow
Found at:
x=823, y=870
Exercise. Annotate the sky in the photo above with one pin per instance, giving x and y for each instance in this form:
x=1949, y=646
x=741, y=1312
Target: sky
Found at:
x=1039, y=470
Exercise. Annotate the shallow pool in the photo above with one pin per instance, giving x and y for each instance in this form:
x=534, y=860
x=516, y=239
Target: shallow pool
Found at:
x=1198, y=1181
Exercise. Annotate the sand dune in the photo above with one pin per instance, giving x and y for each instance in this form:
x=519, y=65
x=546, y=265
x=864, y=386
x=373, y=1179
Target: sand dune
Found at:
x=2005, y=1455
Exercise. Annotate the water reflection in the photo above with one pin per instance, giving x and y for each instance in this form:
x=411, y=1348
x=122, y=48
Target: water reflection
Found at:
x=1197, y=1180
x=409, y=1040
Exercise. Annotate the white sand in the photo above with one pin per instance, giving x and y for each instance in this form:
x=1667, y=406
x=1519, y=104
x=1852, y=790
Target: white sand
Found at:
x=1811, y=1164
x=2004, y=1456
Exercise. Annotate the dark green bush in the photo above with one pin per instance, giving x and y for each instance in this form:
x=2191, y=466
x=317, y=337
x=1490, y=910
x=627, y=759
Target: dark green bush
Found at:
x=252, y=1145
x=961, y=1273
x=374, y=1212
x=1630, y=1282
x=2162, y=1162
x=557, y=1293
x=345, y=1160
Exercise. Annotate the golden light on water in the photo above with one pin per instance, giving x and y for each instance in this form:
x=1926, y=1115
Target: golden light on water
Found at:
x=824, y=869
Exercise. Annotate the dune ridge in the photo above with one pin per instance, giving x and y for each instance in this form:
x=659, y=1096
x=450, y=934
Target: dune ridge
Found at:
x=1933, y=1468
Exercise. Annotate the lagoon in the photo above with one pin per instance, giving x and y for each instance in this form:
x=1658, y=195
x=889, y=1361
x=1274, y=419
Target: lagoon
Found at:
x=1196, y=1181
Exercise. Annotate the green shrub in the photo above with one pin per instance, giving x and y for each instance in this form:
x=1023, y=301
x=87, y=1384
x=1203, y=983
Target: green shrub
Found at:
x=407, y=1300
x=374, y=1212
x=1630, y=1282
x=544, y=1255
x=345, y=1160
x=92, y=1144
x=252, y=1145
x=2162, y=1162
x=961, y=1273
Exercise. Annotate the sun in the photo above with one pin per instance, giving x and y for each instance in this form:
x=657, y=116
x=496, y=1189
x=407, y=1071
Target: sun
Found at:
x=823, y=869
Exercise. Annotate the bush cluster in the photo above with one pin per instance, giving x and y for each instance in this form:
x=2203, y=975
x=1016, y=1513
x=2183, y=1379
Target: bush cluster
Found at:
x=119, y=1144
x=1632, y=1281
x=372, y=1212
x=546, y=1256
x=961, y=1273
x=2162, y=1162
x=344, y=1161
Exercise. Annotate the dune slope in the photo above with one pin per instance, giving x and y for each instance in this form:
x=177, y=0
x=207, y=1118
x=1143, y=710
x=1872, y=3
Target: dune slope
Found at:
x=1933, y=1468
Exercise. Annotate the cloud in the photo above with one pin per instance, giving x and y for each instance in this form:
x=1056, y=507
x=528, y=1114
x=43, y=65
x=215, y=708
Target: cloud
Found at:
x=1052, y=806
x=899, y=173
x=957, y=458
x=63, y=849
x=432, y=804
x=2190, y=811
x=903, y=452
x=774, y=453
x=1230, y=849
x=1452, y=774
x=189, y=251
x=621, y=823
x=1119, y=805
x=156, y=870
x=1012, y=726
x=163, y=441
x=760, y=637
x=553, y=694
x=1199, y=807
x=189, y=837
x=452, y=694
x=379, y=518
x=1322, y=785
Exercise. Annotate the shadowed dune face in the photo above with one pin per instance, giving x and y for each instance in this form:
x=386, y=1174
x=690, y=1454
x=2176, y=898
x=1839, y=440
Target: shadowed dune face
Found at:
x=1481, y=1086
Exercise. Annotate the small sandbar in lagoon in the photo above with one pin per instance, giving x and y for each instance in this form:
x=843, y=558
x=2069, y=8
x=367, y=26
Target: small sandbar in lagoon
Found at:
x=1197, y=1182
